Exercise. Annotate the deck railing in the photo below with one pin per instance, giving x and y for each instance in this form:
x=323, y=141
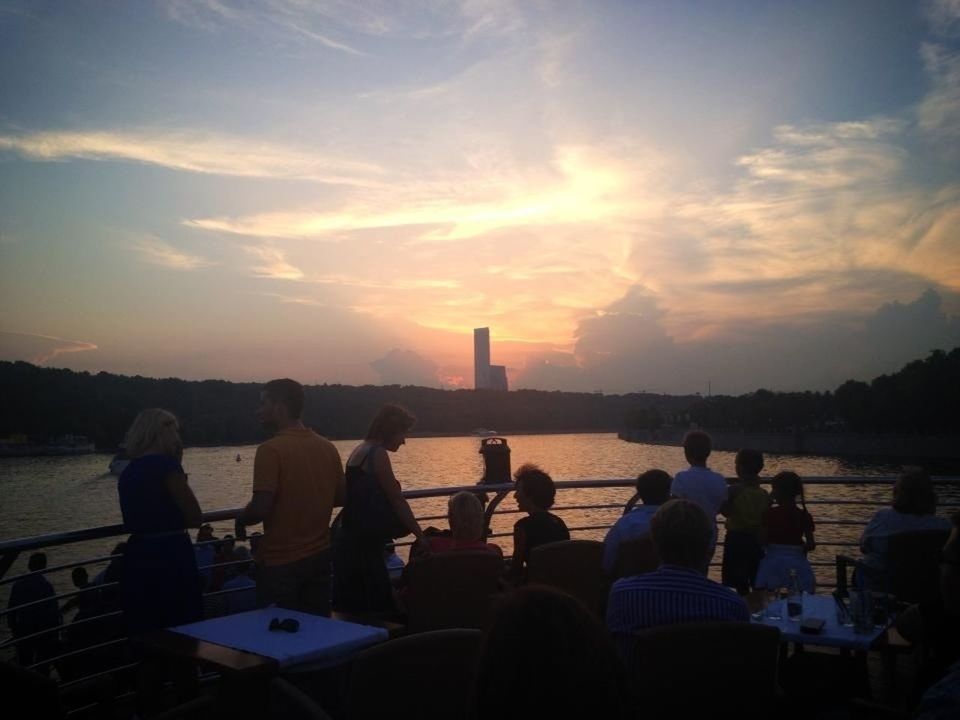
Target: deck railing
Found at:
x=828, y=537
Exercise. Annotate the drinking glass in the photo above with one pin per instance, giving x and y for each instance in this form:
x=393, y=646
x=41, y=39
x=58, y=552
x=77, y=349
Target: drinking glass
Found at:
x=774, y=608
x=861, y=610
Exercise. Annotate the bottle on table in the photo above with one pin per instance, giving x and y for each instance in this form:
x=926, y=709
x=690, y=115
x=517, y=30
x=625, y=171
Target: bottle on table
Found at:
x=795, y=597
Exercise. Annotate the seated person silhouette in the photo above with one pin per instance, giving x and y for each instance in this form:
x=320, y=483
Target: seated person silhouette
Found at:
x=467, y=528
x=679, y=591
x=653, y=487
x=546, y=655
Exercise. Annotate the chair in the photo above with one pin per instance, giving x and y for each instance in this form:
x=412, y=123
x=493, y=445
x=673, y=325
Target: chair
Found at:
x=912, y=574
x=427, y=675
x=451, y=590
x=39, y=696
x=291, y=703
x=635, y=557
x=574, y=566
x=679, y=670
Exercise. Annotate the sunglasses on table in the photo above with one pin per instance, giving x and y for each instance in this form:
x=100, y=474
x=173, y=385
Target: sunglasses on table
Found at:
x=290, y=625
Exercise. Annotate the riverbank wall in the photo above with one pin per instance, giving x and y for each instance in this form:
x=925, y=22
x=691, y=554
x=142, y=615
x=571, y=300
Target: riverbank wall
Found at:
x=814, y=443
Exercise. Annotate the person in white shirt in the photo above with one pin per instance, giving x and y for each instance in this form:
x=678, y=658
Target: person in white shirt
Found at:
x=700, y=484
x=914, y=509
x=653, y=487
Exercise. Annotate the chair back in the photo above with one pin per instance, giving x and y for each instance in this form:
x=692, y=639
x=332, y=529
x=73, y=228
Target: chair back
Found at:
x=913, y=565
x=452, y=590
x=36, y=694
x=574, y=566
x=635, y=557
x=424, y=676
x=683, y=669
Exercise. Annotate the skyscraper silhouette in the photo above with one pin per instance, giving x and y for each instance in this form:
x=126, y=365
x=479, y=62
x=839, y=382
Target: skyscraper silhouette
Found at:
x=481, y=358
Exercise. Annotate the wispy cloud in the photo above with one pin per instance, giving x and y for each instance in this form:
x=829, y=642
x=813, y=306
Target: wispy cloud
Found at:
x=581, y=186
x=329, y=22
x=294, y=20
x=39, y=349
x=157, y=252
x=939, y=113
x=828, y=157
x=944, y=17
x=195, y=152
x=273, y=263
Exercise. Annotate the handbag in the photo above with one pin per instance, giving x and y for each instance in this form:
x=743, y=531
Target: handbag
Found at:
x=367, y=511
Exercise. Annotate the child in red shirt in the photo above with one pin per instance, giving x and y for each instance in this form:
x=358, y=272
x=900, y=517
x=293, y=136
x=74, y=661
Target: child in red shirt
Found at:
x=786, y=531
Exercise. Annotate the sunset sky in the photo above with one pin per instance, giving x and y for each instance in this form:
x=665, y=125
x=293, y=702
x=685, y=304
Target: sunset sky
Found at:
x=631, y=195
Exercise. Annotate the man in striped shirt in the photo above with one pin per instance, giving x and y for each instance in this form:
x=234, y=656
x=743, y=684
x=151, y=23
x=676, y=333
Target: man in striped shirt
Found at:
x=679, y=591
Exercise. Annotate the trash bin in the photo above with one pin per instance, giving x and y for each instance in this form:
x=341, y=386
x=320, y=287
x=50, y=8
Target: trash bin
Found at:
x=496, y=461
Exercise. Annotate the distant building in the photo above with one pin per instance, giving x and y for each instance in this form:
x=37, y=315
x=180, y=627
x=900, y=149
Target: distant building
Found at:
x=485, y=375
x=481, y=358
x=497, y=377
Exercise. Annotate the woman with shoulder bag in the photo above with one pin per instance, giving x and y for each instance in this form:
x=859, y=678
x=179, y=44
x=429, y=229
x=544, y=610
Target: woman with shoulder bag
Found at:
x=375, y=512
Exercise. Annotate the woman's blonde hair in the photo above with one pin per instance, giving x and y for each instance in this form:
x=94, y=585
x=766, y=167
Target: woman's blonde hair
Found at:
x=465, y=514
x=154, y=428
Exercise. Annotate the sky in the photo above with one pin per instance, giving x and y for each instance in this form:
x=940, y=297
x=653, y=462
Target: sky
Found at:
x=666, y=196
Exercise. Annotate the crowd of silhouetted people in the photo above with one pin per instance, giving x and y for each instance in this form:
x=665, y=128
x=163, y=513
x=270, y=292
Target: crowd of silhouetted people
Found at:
x=544, y=652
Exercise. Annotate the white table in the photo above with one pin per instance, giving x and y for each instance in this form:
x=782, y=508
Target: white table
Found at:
x=833, y=633
x=320, y=641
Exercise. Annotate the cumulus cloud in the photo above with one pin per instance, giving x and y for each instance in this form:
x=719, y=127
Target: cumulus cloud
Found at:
x=38, y=349
x=405, y=367
x=627, y=349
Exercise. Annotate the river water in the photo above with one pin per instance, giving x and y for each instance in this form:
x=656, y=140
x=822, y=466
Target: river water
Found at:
x=52, y=494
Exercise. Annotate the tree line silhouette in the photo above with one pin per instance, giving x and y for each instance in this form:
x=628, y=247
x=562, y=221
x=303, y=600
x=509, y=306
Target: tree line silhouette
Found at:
x=45, y=403
x=921, y=398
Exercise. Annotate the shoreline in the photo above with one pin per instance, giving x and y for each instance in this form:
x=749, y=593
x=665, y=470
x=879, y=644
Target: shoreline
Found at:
x=412, y=436
x=887, y=447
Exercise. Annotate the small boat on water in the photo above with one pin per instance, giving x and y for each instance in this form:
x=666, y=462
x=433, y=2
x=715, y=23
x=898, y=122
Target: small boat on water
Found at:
x=483, y=432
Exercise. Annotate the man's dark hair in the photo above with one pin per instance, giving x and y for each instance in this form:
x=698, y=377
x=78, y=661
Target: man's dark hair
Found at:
x=913, y=493
x=80, y=577
x=682, y=533
x=537, y=485
x=697, y=446
x=37, y=561
x=750, y=460
x=288, y=393
x=653, y=487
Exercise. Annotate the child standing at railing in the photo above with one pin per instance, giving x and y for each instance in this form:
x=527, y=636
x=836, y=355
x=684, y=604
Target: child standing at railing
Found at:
x=787, y=534
x=744, y=511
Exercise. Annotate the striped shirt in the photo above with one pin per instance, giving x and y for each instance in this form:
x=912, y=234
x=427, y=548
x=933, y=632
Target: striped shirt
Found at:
x=669, y=596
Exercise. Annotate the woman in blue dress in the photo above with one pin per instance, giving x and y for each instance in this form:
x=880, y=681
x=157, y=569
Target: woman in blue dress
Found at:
x=159, y=583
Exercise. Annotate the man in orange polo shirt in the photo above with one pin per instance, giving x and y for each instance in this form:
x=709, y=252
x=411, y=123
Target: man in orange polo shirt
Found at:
x=297, y=481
